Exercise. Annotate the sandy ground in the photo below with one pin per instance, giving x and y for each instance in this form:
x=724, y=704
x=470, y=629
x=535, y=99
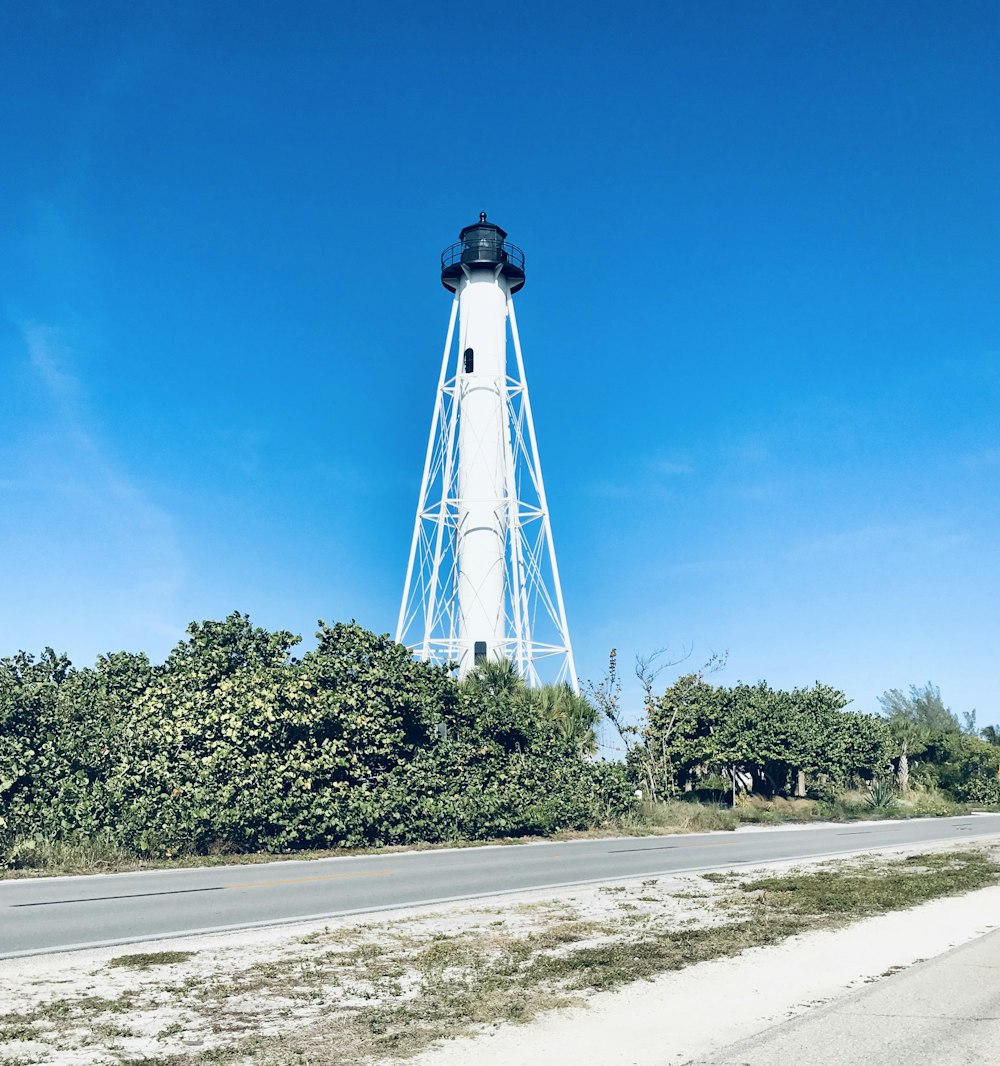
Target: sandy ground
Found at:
x=694, y=1012
x=100, y=1014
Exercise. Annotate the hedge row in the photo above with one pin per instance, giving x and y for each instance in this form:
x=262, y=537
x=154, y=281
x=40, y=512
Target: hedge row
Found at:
x=234, y=744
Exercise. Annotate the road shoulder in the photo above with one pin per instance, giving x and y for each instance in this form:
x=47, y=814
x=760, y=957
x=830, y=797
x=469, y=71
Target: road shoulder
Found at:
x=692, y=1015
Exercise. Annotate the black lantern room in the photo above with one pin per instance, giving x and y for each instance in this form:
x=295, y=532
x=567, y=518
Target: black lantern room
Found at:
x=482, y=245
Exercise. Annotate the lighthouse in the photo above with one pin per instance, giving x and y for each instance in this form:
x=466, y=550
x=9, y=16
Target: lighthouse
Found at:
x=482, y=581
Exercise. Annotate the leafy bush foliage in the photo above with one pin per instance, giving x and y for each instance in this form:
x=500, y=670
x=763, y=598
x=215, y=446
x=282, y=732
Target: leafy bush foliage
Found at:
x=234, y=744
x=775, y=743
x=696, y=733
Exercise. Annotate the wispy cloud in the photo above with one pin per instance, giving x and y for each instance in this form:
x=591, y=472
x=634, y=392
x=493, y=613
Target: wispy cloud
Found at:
x=987, y=459
x=79, y=517
x=647, y=477
x=760, y=491
x=613, y=490
x=704, y=568
x=48, y=355
x=881, y=539
x=671, y=468
x=750, y=451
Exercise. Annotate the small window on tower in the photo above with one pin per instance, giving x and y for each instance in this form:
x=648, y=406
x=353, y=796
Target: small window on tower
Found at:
x=479, y=652
x=468, y=360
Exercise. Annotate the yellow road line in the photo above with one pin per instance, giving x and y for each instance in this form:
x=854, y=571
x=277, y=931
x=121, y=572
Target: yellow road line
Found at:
x=705, y=844
x=301, y=880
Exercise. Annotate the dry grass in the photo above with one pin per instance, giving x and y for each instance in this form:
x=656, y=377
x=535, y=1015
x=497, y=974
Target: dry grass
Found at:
x=149, y=959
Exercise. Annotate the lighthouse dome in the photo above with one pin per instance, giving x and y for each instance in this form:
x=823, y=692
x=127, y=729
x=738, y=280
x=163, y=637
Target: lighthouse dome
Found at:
x=482, y=245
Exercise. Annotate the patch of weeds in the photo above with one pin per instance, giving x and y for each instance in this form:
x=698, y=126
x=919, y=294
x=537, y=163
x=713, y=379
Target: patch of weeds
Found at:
x=36, y=856
x=110, y=1031
x=629, y=921
x=547, y=906
x=63, y=1012
x=557, y=936
x=149, y=959
x=609, y=966
x=205, y=1057
x=494, y=993
x=316, y=935
x=442, y=952
x=20, y=1029
x=184, y=987
x=863, y=892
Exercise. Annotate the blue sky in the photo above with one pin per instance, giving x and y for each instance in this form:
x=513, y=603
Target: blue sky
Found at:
x=760, y=324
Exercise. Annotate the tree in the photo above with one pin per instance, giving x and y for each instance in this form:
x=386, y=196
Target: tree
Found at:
x=683, y=731
x=29, y=723
x=769, y=739
x=606, y=697
x=764, y=734
x=910, y=739
x=864, y=748
x=965, y=766
x=991, y=735
x=923, y=707
x=502, y=708
x=496, y=680
x=913, y=721
x=571, y=717
x=498, y=707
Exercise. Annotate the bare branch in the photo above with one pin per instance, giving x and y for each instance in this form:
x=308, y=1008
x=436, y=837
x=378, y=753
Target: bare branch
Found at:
x=606, y=696
x=715, y=662
x=647, y=669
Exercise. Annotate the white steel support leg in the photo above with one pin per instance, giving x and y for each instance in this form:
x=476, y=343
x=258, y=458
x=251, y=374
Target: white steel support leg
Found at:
x=425, y=480
x=443, y=518
x=515, y=590
x=573, y=680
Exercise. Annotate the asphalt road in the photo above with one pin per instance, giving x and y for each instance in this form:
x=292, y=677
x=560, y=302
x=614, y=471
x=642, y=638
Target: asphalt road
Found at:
x=944, y=1012
x=66, y=913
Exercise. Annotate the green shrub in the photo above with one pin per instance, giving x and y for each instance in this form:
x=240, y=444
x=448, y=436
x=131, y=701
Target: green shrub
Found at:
x=931, y=802
x=685, y=816
x=823, y=791
x=983, y=789
x=234, y=745
x=881, y=794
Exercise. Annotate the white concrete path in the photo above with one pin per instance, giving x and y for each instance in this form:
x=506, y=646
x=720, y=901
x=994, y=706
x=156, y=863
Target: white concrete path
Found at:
x=943, y=1012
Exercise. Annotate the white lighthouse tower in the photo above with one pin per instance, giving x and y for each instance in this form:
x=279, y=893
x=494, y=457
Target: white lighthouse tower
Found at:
x=482, y=580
